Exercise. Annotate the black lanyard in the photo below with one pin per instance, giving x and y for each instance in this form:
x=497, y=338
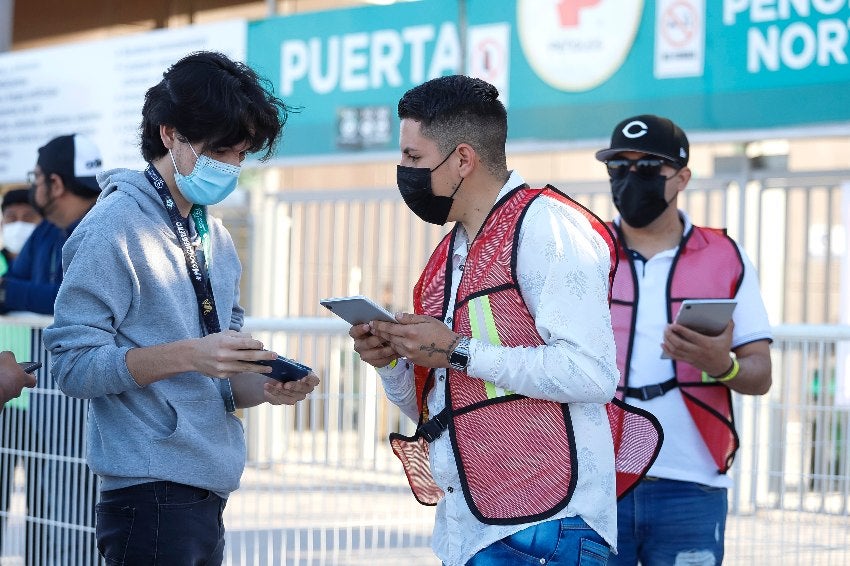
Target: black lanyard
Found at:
x=200, y=282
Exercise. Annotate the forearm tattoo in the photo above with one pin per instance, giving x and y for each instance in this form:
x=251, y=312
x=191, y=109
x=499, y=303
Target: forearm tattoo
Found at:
x=433, y=349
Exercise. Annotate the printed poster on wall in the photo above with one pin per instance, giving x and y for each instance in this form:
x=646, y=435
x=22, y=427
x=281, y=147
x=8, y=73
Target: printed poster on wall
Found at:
x=95, y=88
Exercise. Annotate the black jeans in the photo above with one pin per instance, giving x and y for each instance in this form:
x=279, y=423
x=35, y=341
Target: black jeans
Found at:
x=161, y=523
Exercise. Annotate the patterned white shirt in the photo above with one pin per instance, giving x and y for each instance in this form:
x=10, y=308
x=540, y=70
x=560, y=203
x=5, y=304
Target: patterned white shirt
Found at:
x=562, y=271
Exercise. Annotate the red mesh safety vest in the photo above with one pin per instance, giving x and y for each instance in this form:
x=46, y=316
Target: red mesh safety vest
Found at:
x=707, y=265
x=516, y=455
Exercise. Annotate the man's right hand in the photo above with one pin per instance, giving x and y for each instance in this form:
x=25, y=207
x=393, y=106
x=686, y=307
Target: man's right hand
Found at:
x=12, y=378
x=373, y=350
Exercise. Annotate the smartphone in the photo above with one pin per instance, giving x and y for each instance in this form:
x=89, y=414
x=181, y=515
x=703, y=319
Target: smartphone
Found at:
x=706, y=316
x=357, y=309
x=29, y=367
x=284, y=369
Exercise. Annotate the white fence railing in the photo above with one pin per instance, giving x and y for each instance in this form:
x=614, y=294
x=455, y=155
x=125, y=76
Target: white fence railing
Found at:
x=322, y=487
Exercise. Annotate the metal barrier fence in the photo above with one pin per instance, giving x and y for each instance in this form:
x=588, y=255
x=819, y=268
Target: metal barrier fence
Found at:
x=321, y=486
x=304, y=246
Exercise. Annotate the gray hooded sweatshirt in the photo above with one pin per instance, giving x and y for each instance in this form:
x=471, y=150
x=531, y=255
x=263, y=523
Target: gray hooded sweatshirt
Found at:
x=126, y=286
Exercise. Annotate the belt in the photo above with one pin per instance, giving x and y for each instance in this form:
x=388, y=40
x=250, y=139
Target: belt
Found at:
x=648, y=392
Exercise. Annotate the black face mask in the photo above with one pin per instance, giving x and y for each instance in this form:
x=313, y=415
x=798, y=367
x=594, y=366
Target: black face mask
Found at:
x=414, y=184
x=639, y=200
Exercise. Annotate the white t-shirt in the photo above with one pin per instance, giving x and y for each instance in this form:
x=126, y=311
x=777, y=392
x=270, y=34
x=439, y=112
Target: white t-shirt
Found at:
x=684, y=456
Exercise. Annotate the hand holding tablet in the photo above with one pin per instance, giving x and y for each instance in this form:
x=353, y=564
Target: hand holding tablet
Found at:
x=706, y=316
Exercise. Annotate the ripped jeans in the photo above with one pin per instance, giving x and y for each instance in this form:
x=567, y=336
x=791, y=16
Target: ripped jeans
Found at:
x=671, y=523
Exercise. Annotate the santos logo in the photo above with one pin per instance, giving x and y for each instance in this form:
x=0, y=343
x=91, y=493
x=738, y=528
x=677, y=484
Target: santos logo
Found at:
x=576, y=45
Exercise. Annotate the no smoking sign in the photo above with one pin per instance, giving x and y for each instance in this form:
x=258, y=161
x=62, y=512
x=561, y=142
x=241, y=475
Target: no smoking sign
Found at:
x=679, y=23
x=679, y=38
x=488, y=56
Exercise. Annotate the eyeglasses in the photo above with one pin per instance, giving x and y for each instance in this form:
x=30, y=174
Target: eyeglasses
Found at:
x=646, y=167
x=32, y=177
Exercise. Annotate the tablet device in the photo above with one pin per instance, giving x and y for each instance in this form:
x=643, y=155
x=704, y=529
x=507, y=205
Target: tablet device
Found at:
x=357, y=309
x=284, y=369
x=706, y=316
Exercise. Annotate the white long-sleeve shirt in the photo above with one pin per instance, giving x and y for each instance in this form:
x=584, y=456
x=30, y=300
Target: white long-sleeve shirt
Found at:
x=562, y=271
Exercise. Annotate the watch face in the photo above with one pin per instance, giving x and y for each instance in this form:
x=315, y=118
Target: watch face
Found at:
x=460, y=356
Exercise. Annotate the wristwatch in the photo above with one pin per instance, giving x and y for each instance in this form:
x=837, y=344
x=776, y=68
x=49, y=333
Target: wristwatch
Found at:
x=459, y=358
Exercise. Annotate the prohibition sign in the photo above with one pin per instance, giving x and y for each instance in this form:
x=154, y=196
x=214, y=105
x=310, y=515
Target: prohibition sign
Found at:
x=489, y=62
x=679, y=23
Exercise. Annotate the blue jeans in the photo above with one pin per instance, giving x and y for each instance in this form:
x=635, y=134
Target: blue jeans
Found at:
x=564, y=542
x=160, y=523
x=671, y=522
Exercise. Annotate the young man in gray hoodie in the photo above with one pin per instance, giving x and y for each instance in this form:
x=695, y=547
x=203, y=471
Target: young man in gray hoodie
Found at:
x=147, y=321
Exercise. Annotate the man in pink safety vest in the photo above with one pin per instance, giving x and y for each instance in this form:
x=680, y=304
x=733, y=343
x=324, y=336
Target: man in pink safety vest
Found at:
x=684, y=377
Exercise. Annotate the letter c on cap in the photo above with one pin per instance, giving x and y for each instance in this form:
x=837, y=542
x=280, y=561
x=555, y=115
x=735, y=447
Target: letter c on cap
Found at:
x=628, y=129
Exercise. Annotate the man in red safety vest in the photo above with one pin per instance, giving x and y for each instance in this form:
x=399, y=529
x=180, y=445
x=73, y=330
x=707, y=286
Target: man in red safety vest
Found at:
x=509, y=360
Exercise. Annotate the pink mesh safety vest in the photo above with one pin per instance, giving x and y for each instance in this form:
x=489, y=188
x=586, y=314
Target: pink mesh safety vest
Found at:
x=707, y=265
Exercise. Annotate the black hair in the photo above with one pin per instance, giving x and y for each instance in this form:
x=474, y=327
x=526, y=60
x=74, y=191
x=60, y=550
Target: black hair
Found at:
x=71, y=183
x=208, y=97
x=15, y=196
x=459, y=109
x=74, y=185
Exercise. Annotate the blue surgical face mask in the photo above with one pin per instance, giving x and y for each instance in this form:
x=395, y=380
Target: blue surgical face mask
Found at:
x=209, y=182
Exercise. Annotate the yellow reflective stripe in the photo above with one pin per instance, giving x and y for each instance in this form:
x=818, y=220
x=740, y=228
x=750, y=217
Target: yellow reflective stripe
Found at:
x=482, y=324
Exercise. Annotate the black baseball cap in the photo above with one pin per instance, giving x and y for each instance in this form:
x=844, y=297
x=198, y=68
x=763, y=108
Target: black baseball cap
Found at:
x=650, y=134
x=73, y=157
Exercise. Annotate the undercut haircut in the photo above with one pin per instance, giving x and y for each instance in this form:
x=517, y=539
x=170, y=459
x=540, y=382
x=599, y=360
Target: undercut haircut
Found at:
x=459, y=109
x=209, y=98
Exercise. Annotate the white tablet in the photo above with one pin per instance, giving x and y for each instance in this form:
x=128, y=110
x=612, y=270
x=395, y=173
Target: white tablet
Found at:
x=357, y=309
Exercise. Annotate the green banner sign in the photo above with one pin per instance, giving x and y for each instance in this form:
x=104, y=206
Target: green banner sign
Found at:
x=567, y=69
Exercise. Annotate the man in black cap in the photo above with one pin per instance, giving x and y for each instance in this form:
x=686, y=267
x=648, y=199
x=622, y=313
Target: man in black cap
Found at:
x=677, y=514
x=60, y=489
x=63, y=188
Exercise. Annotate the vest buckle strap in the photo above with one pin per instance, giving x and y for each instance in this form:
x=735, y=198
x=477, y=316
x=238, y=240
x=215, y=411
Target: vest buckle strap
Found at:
x=648, y=392
x=433, y=429
x=652, y=391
